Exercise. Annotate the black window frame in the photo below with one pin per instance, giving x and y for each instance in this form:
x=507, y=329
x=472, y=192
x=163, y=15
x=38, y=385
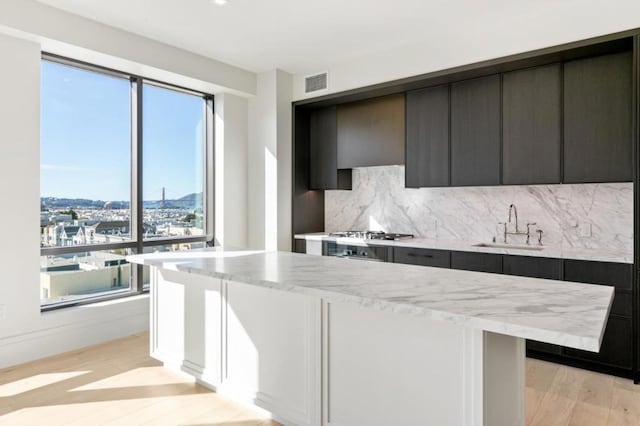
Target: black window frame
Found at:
x=138, y=243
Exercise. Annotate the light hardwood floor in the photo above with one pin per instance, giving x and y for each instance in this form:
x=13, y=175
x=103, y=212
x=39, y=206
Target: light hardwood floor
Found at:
x=117, y=383
x=560, y=395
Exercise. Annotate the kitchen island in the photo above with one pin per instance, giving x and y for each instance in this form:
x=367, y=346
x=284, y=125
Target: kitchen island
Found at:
x=328, y=341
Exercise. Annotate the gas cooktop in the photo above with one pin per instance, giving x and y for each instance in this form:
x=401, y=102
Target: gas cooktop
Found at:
x=371, y=235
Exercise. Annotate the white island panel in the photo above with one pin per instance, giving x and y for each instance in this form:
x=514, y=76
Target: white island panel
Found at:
x=324, y=341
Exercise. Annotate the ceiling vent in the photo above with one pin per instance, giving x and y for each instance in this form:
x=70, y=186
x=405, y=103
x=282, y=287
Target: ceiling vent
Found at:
x=316, y=83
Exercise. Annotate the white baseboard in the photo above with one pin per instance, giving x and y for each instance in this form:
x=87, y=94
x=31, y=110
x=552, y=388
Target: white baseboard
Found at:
x=47, y=341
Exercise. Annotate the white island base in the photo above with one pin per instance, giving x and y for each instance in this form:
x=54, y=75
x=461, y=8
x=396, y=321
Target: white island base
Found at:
x=309, y=361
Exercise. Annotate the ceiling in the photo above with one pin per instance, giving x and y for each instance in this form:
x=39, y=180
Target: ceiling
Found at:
x=301, y=36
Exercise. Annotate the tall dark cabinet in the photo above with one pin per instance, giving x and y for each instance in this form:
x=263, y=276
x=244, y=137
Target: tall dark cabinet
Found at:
x=598, y=143
x=531, y=125
x=475, y=132
x=427, y=137
x=323, y=143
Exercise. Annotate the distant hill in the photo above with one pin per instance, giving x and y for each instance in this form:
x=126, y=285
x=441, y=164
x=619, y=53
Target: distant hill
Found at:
x=186, y=202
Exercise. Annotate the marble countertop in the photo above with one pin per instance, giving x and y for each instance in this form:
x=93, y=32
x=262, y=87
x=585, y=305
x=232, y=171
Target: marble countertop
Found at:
x=599, y=255
x=558, y=312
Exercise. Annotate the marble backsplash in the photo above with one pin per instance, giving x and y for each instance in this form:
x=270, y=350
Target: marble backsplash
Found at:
x=597, y=216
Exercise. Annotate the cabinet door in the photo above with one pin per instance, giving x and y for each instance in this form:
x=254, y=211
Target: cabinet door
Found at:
x=479, y=262
x=272, y=350
x=423, y=257
x=300, y=245
x=531, y=128
x=597, y=119
x=617, y=345
x=323, y=161
x=475, y=132
x=427, y=150
x=618, y=275
x=535, y=267
x=371, y=132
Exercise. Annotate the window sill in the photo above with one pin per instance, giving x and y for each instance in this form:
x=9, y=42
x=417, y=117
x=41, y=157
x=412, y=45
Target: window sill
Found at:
x=95, y=301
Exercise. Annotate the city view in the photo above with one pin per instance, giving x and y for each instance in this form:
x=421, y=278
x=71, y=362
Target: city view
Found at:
x=82, y=222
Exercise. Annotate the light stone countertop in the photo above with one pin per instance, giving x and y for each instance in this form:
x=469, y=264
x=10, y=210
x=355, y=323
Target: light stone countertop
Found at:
x=558, y=312
x=600, y=255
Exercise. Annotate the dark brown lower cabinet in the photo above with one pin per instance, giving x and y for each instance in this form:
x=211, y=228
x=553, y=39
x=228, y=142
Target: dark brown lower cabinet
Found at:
x=535, y=267
x=300, y=245
x=423, y=257
x=616, y=348
x=479, y=262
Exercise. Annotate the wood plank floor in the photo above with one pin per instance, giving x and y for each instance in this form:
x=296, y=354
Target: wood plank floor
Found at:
x=566, y=396
x=117, y=383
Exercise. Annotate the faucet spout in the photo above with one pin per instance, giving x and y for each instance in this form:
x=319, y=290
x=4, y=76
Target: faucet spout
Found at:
x=513, y=208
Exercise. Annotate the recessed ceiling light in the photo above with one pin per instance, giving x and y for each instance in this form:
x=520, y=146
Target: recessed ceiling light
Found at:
x=219, y=2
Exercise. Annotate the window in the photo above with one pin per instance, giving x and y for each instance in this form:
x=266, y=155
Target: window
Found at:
x=123, y=170
x=173, y=178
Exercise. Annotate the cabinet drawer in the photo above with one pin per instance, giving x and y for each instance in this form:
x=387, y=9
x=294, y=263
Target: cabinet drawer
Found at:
x=534, y=267
x=424, y=257
x=547, y=348
x=616, y=349
x=618, y=275
x=479, y=262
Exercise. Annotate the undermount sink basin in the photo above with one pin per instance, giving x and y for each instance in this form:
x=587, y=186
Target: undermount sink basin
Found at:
x=509, y=246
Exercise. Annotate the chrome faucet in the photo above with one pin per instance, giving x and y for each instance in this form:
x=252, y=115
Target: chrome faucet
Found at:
x=513, y=212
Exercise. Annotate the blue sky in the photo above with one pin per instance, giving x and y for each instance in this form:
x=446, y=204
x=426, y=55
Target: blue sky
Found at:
x=85, y=137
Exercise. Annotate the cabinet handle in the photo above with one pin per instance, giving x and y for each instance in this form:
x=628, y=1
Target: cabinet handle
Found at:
x=420, y=255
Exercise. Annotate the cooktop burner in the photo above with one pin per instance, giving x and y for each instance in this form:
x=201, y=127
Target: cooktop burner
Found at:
x=370, y=235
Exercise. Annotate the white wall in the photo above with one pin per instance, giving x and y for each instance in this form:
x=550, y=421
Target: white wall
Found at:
x=25, y=333
x=285, y=152
x=270, y=163
x=493, y=33
x=231, y=115
x=19, y=183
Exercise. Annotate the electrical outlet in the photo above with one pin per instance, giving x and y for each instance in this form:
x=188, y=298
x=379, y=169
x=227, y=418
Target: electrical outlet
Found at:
x=584, y=229
x=3, y=312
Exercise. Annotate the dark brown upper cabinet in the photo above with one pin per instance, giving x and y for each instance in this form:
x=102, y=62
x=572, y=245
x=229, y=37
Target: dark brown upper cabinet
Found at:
x=427, y=140
x=475, y=132
x=531, y=125
x=597, y=119
x=323, y=158
x=371, y=132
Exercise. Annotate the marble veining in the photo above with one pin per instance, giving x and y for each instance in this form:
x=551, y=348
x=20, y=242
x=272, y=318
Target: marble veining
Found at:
x=568, y=314
x=379, y=201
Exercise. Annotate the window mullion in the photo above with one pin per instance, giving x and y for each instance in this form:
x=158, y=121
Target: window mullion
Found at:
x=137, y=224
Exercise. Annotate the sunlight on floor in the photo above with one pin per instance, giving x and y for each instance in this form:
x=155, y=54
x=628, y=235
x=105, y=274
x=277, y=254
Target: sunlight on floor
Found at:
x=35, y=382
x=116, y=383
x=150, y=376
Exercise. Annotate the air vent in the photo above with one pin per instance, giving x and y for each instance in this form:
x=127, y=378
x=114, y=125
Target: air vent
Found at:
x=316, y=82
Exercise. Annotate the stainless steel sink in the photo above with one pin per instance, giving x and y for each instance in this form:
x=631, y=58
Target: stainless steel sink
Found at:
x=509, y=246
